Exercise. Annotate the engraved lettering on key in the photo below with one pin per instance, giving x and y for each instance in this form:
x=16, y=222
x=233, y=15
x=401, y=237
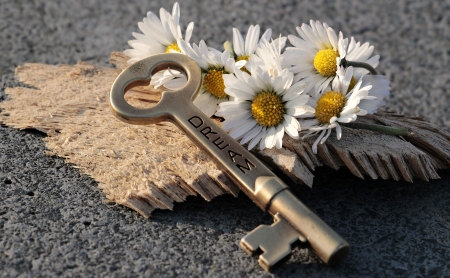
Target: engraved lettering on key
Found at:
x=219, y=143
x=294, y=222
x=198, y=123
x=207, y=132
x=233, y=154
x=248, y=163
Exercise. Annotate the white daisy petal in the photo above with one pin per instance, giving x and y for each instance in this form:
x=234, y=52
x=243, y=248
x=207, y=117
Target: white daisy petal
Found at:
x=294, y=90
x=270, y=139
x=257, y=139
x=267, y=56
x=238, y=43
x=291, y=127
x=307, y=124
x=266, y=36
x=292, y=132
x=350, y=106
x=142, y=38
x=297, y=102
x=153, y=27
x=133, y=60
x=361, y=112
x=279, y=136
x=262, y=143
x=314, y=146
x=251, y=134
x=326, y=136
x=189, y=51
x=189, y=30
x=235, y=108
x=309, y=36
x=333, y=119
x=176, y=84
x=171, y=79
x=298, y=44
x=176, y=13
x=239, y=94
x=278, y=84
x=239, y=132
x=225, y=57
x=380, y=90
x=338, y=131
x=202, y=101
x=240, y=64
x=346, y=79
x=333, y=38
x=299, y=110
x=235, y=121
x=348, y=118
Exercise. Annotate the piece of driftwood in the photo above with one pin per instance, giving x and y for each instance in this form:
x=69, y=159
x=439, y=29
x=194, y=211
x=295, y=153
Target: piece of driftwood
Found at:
x=142, y=167
x=150, y=167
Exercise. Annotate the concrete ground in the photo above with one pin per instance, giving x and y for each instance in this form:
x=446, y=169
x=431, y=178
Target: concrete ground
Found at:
x=54, y=221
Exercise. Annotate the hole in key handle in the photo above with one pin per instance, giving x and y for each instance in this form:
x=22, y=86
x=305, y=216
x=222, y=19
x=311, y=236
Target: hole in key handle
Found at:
x=139, y=74
x=141, y=95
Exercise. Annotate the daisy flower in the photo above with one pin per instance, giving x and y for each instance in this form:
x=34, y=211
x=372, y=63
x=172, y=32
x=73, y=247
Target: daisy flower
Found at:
x=160, y=36
x=264, y=107
x=315, y=55
x=268, y=57
x=214, y=65
x=243, y=50
x=338, y=105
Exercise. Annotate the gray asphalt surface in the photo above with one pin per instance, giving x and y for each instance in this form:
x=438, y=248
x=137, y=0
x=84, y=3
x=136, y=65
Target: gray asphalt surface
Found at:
x=54, y=221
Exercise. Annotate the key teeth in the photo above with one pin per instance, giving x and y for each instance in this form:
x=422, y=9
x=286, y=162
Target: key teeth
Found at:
x=255, y=251
x=273, y=242
x=248, y=248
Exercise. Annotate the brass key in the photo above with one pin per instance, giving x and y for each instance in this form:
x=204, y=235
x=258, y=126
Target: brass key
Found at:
x=294, y=222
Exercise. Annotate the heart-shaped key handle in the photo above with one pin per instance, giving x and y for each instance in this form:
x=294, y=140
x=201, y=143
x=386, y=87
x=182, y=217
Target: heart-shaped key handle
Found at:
x=139, y=74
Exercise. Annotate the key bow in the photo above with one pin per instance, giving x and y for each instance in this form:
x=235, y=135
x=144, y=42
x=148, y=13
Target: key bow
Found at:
x=139, y=74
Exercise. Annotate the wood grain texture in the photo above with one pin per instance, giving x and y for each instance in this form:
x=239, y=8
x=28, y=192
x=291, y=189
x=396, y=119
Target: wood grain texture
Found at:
x=151, y=167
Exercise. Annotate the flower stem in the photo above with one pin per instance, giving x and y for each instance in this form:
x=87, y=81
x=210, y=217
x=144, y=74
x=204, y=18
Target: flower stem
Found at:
x=398, y=131
x=355, y=64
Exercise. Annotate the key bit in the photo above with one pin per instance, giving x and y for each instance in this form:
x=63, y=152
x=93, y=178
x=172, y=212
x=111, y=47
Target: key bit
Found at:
x=275, y=241
x=294, y=222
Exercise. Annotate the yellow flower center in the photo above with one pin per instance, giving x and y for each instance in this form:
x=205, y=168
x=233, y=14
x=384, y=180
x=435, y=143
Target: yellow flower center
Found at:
x=329, y=105
x=325, y=62
x=213, y=82
x=268, y=109
x=173, y=47
x=352, y=84
x=243, y=57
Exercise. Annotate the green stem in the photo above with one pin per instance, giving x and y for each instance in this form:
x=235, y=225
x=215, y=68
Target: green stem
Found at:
x=398, y=131
x=355, y=64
